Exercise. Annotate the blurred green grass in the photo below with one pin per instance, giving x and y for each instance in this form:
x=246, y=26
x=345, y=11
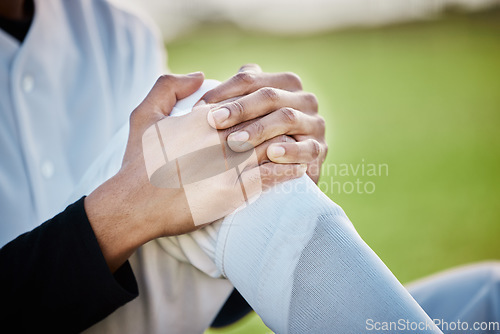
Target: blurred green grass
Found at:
x=423, y=98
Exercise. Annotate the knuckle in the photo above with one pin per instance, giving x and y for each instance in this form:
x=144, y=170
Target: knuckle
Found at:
x=257, y=129
x=325, y=150
x=237, y=109
x=311, y=100
x=270, y=94
x=228, y=131
x=164, y=79
x=294, y=79
x=316, y=149
x=289, y=115
x=211, y=96
x=245, y=78
x=321, y=124
x=134, y=116
x=299, y=150
x=249, y=66
x=282, y=138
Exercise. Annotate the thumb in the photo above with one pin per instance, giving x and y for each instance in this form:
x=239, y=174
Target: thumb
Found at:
x=170, y=88
x=159, y=102
x=167, y=90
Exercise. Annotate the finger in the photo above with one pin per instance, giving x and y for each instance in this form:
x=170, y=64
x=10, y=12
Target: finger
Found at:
x=272, y=174
x=240, y=84
x=282, y=121
x=259, y=103
x=314, y=167
x=247, y=82
x=171, y=88
x=299, y=152
x=167, y=90
x=261, y=150
x=250, y=68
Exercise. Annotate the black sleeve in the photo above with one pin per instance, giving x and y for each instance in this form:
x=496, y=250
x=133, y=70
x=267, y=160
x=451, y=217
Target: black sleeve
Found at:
x=55, y=279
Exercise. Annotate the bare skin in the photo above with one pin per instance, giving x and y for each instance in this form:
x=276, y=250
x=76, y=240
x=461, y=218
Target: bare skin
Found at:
x=13, y=9
x=278, y=106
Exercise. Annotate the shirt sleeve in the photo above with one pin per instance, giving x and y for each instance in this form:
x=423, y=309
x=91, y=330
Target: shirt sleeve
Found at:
x=55, y=277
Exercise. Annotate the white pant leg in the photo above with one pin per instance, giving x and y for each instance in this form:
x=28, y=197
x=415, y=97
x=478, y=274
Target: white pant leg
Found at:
x=469, y=294
x=174, y=297
x=299, y=262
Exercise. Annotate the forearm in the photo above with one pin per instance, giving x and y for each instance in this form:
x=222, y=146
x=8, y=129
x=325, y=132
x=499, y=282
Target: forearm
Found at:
x=55, y=276
x=124, y=214
x=114, y=225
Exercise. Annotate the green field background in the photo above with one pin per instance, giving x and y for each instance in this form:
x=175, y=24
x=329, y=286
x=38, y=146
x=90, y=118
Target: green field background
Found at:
x=422, y=99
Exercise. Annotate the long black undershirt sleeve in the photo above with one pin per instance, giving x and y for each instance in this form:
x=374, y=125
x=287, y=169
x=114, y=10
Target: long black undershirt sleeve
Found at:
x=55, y=278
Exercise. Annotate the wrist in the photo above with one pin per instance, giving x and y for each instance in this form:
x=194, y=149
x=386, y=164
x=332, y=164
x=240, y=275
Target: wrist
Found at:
x=114, y=221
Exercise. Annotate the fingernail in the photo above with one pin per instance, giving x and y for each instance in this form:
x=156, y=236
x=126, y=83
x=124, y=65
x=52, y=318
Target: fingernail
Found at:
x=276, y=151
x=239, y=136
x=194, y=74
x=220, y=115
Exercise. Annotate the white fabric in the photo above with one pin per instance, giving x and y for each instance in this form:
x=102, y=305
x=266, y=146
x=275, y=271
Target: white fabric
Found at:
x=462, y=300
x=303, y=267
x=65, y=91
x=293, y=254
x=174, y=297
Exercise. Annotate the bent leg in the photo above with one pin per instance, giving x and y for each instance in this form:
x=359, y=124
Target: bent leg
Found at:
x=469, y=294
x=299, y=262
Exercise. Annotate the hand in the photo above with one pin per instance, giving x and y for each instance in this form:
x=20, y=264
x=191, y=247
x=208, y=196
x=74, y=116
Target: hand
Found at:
x=216, y=180
x=128, y=210
x=277, y=105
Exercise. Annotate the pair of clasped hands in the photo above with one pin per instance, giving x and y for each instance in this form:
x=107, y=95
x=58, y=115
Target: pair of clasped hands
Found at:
x=266, y=114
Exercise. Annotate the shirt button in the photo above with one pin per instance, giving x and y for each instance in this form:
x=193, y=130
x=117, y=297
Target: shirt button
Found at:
x=28, y=83
x=47, y=169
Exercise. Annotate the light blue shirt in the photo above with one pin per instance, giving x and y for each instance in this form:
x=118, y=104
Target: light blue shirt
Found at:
x=82, y=68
